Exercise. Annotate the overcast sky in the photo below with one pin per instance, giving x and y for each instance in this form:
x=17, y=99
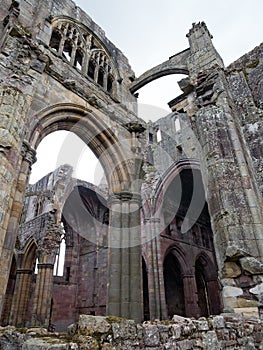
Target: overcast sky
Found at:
x=148, y=33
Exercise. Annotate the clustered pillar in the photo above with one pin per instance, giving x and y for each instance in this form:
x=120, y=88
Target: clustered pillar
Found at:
x=125, y=284
x=44, y=283
x=157, y=303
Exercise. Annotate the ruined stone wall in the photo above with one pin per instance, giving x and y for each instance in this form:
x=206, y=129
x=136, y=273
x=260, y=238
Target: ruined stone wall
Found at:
x=246, y=80
x=229, y=331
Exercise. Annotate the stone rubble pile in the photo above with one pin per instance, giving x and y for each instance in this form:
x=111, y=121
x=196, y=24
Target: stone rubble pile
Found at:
x=227, y=331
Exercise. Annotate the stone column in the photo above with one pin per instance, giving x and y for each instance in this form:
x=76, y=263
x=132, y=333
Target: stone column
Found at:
x=215, y=302
x=125, y=281
x=44, y=284
x=21, y=297
x=157, y=302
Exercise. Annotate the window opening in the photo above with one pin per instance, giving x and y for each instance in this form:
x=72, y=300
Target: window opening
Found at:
x=101, y=77
x=91, y=70
x=177, y=124
x=159, y=135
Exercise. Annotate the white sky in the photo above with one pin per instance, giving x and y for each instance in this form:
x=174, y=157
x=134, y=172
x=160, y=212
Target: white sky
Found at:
x=148, y=32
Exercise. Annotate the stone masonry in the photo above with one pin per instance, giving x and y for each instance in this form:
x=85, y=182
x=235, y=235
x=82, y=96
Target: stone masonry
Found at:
x=177, y=227
x=228, y=331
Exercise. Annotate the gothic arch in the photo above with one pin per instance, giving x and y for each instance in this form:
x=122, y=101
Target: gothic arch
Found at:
x=208, y=292
x=174, y=269
x=29, y=255
x=167, y=178
x=23, y=287
x=86, y=124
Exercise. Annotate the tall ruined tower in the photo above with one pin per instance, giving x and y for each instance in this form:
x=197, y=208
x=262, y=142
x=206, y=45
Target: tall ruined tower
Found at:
x=180, y=228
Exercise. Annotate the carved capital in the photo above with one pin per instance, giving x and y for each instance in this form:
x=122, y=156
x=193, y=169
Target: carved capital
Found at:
x=51, y=240
x=136, y=127
x=28, y=153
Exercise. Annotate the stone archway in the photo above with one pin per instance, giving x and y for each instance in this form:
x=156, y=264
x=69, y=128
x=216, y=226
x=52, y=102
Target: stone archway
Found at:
x=177, y=64
x=207, y=284
x=90, y=127
x=20, y=310
x=181, y=204
x=174, y=286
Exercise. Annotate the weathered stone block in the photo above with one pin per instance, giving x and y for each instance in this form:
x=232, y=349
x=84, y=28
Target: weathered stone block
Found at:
x=231, y=270
x=229, y=292
x=151, y=335
x=251, y=265
x=88, y=325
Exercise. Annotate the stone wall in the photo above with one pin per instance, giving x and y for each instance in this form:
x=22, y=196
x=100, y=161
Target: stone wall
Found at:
x=227, y=331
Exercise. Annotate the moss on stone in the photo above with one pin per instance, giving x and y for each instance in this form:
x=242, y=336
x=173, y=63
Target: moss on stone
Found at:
x=115, y=319
x=253, y=64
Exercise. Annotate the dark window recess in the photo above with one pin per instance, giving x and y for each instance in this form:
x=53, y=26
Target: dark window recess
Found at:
x=101, y=77
x=150, y=137
x=67, y=274
x=109, y=84
x=55, y=40
x=67, y=50
x=179, y=149
x=78, y=59
x=91, y=70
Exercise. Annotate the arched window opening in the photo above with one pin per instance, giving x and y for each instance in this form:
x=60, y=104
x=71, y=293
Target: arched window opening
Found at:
x=36, y=267
x=67, y=50
x=60, y=257
x=64, y=147
x=101, y=77
x=55, y=40
x=78, y=59
x=159, y=135
x=174, y=287
x=91, y=69
x=110, y=84
x=177, y=124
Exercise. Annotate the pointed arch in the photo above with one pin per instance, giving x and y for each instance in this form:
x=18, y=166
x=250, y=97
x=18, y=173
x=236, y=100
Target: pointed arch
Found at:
x=173, y=271
x=29, y=256
x=23, y=288
x=86, y=124
x=208, y=290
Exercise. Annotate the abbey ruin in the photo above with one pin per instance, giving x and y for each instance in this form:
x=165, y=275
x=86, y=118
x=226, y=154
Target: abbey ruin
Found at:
x=178, y=230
